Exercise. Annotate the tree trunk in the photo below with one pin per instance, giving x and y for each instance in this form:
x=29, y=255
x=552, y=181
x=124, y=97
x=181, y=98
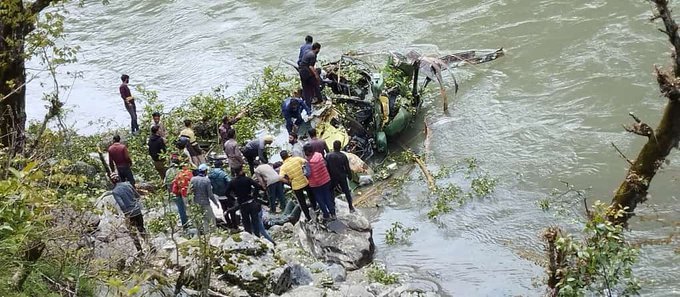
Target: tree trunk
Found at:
x=633, y=189
x=13, y=107
x=14, y=28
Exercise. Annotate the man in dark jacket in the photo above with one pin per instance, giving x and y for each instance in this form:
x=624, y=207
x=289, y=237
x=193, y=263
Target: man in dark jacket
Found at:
x=304, y=48
x=310, y=79
x=338, y=168
x=291, y=108
x=245, y=189
x=120, y=162
x=156, y=149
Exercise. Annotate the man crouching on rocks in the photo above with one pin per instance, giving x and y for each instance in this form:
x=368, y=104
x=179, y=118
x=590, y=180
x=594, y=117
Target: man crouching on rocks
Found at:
x=128, y=200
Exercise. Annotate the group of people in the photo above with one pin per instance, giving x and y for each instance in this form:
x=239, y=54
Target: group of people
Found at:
x=312, y=171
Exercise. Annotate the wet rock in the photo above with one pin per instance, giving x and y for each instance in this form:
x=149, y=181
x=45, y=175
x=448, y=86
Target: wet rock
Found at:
x=337, y=273
x=352, y=247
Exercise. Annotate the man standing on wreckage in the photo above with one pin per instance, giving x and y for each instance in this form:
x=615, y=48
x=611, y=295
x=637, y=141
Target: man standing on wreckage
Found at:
x=309, y=77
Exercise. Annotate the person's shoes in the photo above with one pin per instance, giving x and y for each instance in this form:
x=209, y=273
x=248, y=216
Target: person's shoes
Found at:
x=333, y=217
x=352, y=210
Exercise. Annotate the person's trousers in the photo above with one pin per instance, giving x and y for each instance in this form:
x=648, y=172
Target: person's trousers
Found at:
x=249, y=217
x=208, y=218
x=132, y=110
x=300, y=195
x=198, y=160
x=160, y=167
x=229, y=216
x=275, y=193
x=344, y=186
x=125, y=174
x=182, y=210
x=259, y=226
x=324, y=198
x=251, y=162
x=309, y=89
x=137, y=222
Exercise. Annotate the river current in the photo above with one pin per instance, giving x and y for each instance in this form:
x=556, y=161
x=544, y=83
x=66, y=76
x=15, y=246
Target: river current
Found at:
x=545, y=113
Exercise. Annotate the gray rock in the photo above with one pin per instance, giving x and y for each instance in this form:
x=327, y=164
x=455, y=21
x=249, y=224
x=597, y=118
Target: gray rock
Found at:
x=350, y=290
x=337, y=273
x=317, y=267
x=305, y=291
x=243, y=261
x=300, y=275
x=352, y=248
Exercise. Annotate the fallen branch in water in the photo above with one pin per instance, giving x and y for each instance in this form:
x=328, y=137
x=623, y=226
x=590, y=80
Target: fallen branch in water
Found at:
x=428, y=176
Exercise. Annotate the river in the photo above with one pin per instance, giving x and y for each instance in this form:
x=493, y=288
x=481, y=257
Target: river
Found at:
x=545, y=113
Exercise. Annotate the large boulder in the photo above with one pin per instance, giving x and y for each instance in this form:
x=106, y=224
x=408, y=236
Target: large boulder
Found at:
x=243, y=261
x=352, y=247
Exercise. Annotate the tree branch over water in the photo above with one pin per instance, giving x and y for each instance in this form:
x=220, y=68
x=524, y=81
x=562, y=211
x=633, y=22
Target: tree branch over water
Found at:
x=633, y=190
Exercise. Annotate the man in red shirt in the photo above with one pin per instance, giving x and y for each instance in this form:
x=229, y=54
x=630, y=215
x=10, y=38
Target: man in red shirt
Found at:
x=129, y=102
x=119, y=160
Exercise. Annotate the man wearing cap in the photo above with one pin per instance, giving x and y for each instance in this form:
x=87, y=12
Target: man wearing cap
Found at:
x=256, y=148
x=128, y=200
x=202, y=190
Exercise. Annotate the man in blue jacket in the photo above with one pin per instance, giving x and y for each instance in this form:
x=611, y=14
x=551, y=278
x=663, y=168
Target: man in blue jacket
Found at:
x=291, y=108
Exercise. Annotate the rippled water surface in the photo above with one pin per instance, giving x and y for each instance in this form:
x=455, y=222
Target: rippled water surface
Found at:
x=545, y=113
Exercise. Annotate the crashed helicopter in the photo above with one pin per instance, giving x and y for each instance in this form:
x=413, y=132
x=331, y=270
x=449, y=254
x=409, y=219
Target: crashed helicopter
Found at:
x=372, y=102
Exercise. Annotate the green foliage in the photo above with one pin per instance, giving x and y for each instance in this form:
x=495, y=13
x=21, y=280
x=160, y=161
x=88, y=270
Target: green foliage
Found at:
x=398, y=234
x=378, y=273
x=261, y=99
x=397, y=78
x=602, y=263
x=444, y=198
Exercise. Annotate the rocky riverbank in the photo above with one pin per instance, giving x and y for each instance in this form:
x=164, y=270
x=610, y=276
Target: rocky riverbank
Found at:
x=309, y=259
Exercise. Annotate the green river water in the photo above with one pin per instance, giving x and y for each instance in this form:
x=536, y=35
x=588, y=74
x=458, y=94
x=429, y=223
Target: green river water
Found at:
x=544, y=113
